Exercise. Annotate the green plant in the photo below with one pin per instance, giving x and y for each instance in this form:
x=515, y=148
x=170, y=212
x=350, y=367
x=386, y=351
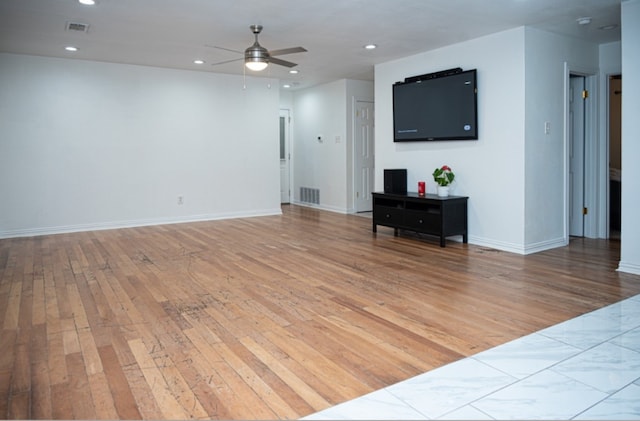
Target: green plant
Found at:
x=444, y=176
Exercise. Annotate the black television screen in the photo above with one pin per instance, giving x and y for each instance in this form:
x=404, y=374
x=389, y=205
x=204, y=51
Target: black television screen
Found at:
x=437, y=108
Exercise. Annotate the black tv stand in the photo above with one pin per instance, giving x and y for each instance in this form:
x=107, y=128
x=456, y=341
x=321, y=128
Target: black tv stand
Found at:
x=429, y=214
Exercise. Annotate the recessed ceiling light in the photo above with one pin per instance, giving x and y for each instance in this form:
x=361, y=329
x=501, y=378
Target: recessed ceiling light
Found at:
x=87, y=2
x=584, y=20
x=198, y=61
x=286, y=85
x=71, y=48
x=608, y=27
x=370, y=47
x=293, y=71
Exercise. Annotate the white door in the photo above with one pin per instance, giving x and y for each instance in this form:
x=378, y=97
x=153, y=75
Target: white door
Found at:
x=576, y=156
x=363, y=154
x=285, y=158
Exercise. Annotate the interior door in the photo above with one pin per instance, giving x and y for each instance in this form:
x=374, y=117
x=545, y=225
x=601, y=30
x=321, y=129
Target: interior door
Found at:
x=576, y=156
x=363, y=155
x=285, y=158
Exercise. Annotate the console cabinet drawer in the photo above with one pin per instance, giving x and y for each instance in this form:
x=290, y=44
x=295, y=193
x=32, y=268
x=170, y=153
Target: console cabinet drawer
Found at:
x=422, y=221
x=385, y=215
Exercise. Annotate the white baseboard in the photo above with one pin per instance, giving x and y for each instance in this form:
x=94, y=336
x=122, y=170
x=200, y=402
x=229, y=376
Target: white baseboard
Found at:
x=517, y=248
x=321, y=207
x=627, y=267
x=32, y=232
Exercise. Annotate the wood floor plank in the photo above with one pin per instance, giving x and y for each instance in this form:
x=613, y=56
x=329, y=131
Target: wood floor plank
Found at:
x=230, y=404
x=79, y=388
x=41, y=405
x=61, y=408
x=12, y=309
x=103, y=400
x=267, y=317
x=169, y=405
x=57, y=362
x=306, y=392
x=120, y=390
x=8, y=340
x=20, y=406
x=179, y=387
x=39, y=315
x=21, y=376
x=255, y=382
x=5, y=393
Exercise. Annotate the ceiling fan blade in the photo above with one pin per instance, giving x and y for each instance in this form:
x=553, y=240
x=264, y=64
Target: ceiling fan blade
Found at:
x=226, y=61
x=284, y=51
x=281, y=62
x=223, y=48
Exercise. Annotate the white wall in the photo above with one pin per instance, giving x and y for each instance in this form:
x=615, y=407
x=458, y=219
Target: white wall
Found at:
x=87, y=145
x=545, y=158
x=320, y=111
x=326, y=111
x=514, y=173
x=490, y=170
x=630, y=230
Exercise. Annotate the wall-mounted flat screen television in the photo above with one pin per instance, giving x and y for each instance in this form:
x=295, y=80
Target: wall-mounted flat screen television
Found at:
x=439, y=106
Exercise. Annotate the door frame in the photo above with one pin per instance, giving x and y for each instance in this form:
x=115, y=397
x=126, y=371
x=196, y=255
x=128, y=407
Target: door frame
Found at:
x=603, y=149
x=354, y=158
x=577, y=154
x=593, y=196
x=286, y=113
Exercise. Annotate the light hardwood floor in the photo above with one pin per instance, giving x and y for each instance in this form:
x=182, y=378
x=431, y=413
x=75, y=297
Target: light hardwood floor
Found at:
x=268, y=317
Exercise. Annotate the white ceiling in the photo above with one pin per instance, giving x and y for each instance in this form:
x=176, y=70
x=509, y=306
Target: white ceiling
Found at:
x=172, y=33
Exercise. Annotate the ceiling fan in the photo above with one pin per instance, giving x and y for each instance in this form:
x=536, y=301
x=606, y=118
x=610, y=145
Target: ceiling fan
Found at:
x=257, y=57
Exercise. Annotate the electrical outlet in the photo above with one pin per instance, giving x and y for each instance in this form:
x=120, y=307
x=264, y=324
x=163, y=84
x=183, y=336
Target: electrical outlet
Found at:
x=180, y=200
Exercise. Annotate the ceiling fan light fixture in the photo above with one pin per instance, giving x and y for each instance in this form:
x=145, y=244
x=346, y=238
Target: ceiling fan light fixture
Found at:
x=256, y=57
x=256, y=65
x=584, y=20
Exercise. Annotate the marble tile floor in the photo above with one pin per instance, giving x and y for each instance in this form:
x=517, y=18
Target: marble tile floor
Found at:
x=586, y=368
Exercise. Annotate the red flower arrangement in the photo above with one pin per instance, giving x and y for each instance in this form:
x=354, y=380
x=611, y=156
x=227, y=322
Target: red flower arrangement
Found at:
x=444, y=176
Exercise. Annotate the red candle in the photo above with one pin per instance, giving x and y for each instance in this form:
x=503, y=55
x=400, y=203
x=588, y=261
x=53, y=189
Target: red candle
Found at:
x=421, y=188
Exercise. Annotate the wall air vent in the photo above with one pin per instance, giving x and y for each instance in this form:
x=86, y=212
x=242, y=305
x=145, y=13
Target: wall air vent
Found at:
x=77, y=27
x=309, y=195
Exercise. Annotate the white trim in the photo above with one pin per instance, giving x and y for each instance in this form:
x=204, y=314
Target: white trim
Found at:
x=354, y=108
x=567, y=122
x=322, y=207
x=592, y=200
x=629, y=268
x=31, y=232
x=592, y=191
x=518, y=248
x=545, y=245
x=604, y=212
x=286, y=113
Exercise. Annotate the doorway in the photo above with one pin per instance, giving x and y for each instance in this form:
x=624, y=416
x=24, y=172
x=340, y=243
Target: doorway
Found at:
x=583, y=194
x=615, y=155
x=285, y=157
x=363, y=155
